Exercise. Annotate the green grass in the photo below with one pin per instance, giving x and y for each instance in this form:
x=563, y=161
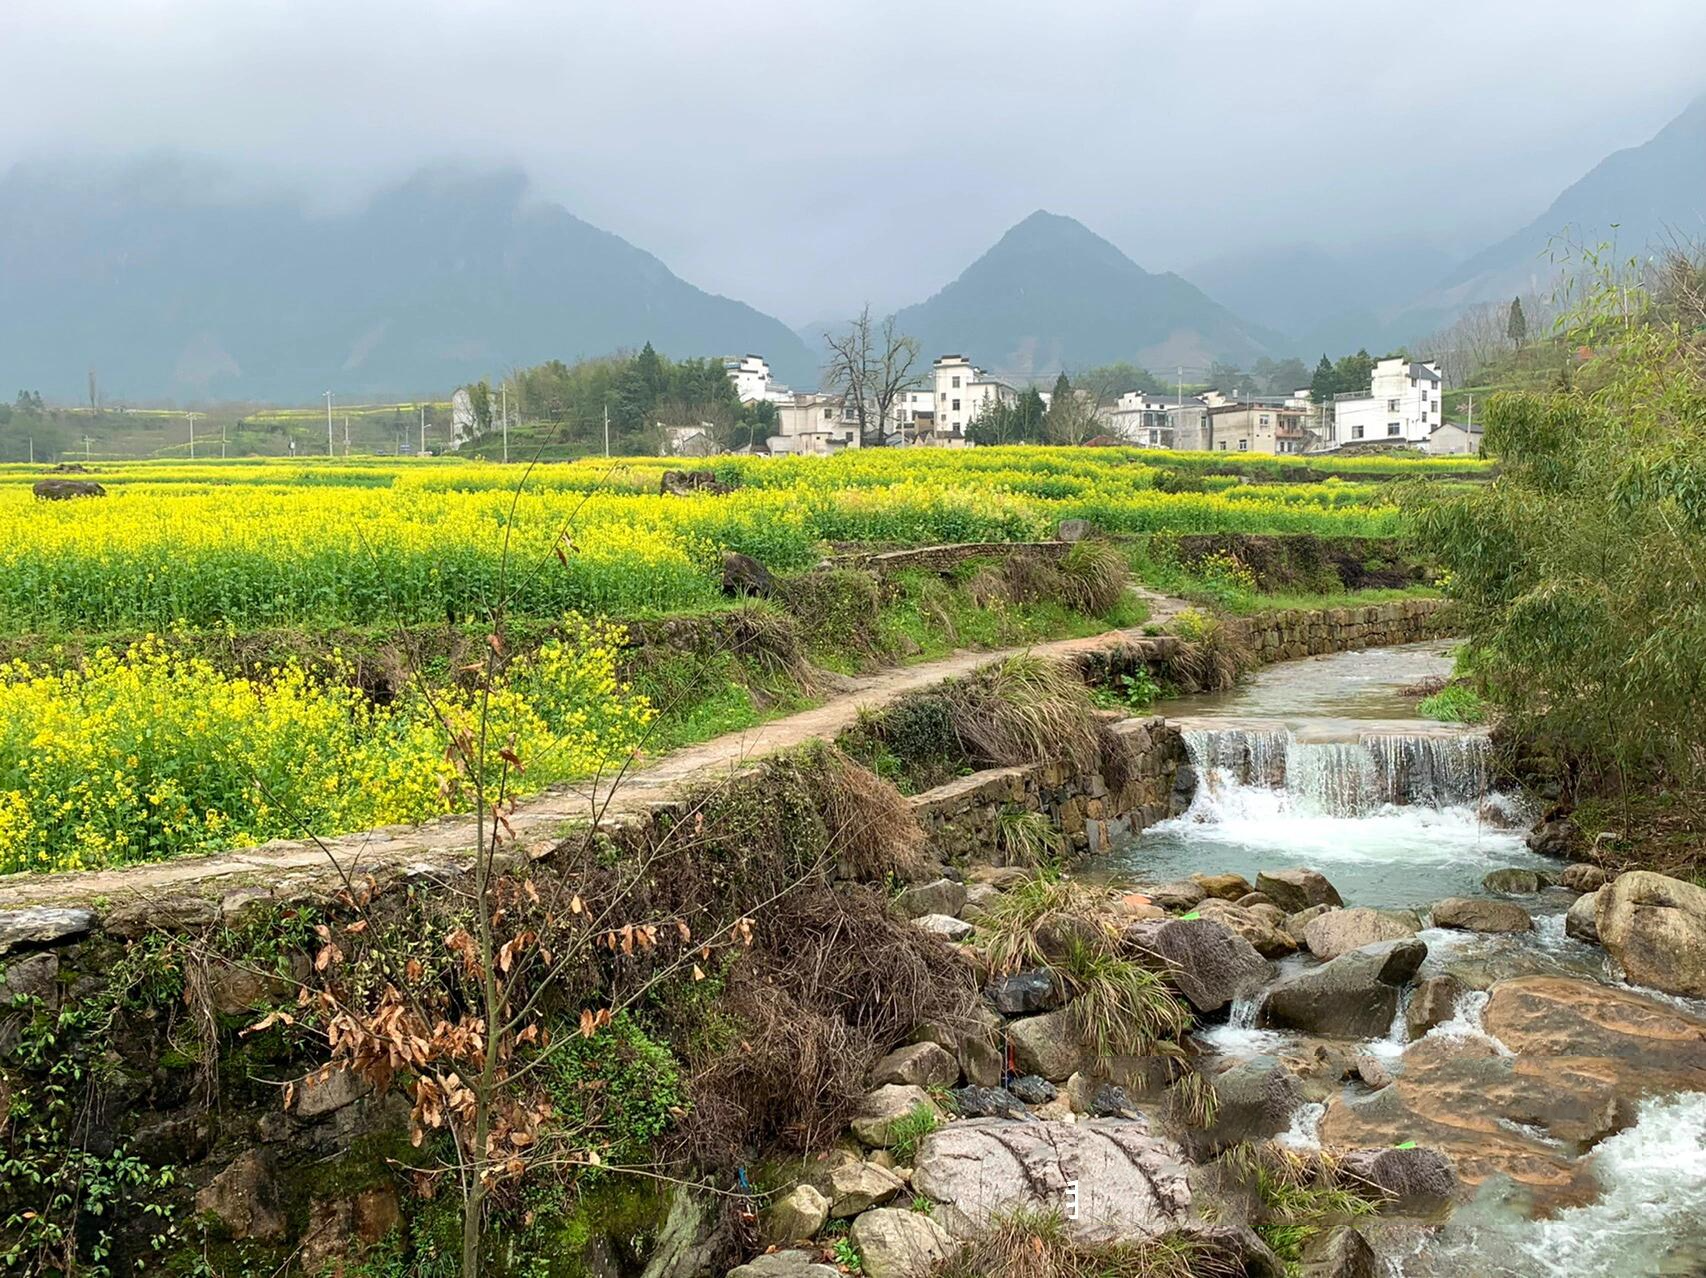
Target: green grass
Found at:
x=1454, y=703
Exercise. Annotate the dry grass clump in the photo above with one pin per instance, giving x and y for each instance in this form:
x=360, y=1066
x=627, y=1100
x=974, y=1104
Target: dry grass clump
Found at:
x=872, y=831
x=1214, y=653
x=1024, y=709
x=1093, y=577
x=833, y=978
x=1120, y=1007
x=1035, y=1244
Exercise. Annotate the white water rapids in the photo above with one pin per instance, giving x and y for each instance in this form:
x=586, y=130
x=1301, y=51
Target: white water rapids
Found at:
x=1399, y=814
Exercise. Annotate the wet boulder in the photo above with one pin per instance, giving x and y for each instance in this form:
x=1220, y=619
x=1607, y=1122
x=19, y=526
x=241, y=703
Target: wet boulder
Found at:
x=1512, y=881
x=1415, y=1182
x=1556, y=835
x=1582, y=920
x=1353, y=996
x=1182, y=895
x=1336, y=932
x=1655, y=927
x=1261, y=925
x=1297, y=888
x=988, y=1102
x=1254, y=1101
x=1477, y=914
x=1434, y=1002
x=1342, y=1253
x=1209, y=962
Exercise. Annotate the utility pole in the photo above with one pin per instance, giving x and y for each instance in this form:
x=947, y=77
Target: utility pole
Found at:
x=221, y=441
x=32, y=450
x=1181, y=386
x=607, y=430
x=423, y=430
x=503, y=399
x=86, y=442
x=192, y=417
x=346, y=436
x=328, y=423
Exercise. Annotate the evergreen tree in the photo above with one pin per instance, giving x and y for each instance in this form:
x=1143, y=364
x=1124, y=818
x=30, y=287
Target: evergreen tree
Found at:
x=1325, y=384
x=1516, y=328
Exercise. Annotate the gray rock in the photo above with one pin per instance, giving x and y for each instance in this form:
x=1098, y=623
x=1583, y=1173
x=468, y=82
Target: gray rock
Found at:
x=918, y=1064
x=1415, y=1182
x=1110, y=1100
x=1033, y=1090
x=183, y=913
x=1583, y=877
x=1182, y=895
x=857, y=1187
x=1655, y=927
x=988, y=1102
x=784, y=1264
x=30, y=976
x=1582, y=919
x=1130, y=1184
x=244, y=1197
x=1254, y=1101
x=1049, y=1044
x=1371, y=1071
x=942, y=896
x=894, y=1243
x=1557, y=837
x=798, y=1214
x=885, y=1109
x=1224, y=887
x=1516, y=882
x=1475, y=914
x=1073, y=530
x=1255, y=898
x=1336, y=932
x=1297, y=888
x=979, y=897
x=328, y=1090
x=1209, y=962
x=1434, y=1002
x=1025, y=992
x=1343, y=1253
x=1260, y=925
x=42, y=925
x=1352, y=996
x=945, y=926
x=744, y=575
x=974, y=1040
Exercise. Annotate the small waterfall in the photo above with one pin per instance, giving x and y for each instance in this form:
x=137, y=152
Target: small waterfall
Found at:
x=1335, y=778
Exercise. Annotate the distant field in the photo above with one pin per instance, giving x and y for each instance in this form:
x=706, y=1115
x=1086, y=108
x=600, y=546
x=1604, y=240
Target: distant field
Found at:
x=197, y=647
x=269, y=543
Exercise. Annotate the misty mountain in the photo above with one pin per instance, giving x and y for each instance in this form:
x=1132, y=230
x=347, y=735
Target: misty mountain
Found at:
x=1640, y=197
x=1323, y=300
x=1052, y=294
x=169, y=285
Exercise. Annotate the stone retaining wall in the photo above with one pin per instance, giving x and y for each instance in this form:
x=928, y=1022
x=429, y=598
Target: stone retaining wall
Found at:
x=1119, y=795
x=1309, y=632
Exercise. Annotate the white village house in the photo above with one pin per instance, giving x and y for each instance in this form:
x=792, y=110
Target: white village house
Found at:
x=1401, y=406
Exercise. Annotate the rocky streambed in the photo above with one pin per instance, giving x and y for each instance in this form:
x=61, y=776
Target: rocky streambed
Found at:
x=1500, y=1055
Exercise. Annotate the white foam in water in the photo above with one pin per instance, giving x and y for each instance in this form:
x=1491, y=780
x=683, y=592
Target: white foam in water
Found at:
x=1646, y=1220
x=1239, y=1037
x=1466, y=1022
x=1305, y=1129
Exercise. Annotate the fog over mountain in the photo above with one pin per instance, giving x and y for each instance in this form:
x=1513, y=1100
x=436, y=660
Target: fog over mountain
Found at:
x=1319, y=190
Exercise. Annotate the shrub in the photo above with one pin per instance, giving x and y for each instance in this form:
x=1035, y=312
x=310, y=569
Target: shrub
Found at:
x=1026, y=837
x=1454, y=703
x=620, y=1088
x=1024, y=709
x=1093, y=577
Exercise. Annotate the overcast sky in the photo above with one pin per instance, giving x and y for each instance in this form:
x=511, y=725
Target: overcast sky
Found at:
x=810, y=154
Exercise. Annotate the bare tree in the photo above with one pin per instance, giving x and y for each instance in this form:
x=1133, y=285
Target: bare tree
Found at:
x=871, y=366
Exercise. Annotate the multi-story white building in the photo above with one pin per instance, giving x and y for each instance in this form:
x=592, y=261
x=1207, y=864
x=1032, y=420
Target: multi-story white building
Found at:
x=813, y=424
x=752, y=382
x=1401, y=406
x=962, y=392
x=1141, y=419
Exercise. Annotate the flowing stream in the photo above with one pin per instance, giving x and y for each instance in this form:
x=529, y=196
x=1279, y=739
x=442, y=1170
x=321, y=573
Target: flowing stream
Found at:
x=1322, y=763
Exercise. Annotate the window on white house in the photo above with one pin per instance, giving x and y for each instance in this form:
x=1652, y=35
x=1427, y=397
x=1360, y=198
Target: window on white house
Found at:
x=1391, y=405
x=1356, y=431
x=956, y=383
x=1243, y=445
x=1393, y=428
x=956, y=405
x=1264, y=419
x=1223, y=445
